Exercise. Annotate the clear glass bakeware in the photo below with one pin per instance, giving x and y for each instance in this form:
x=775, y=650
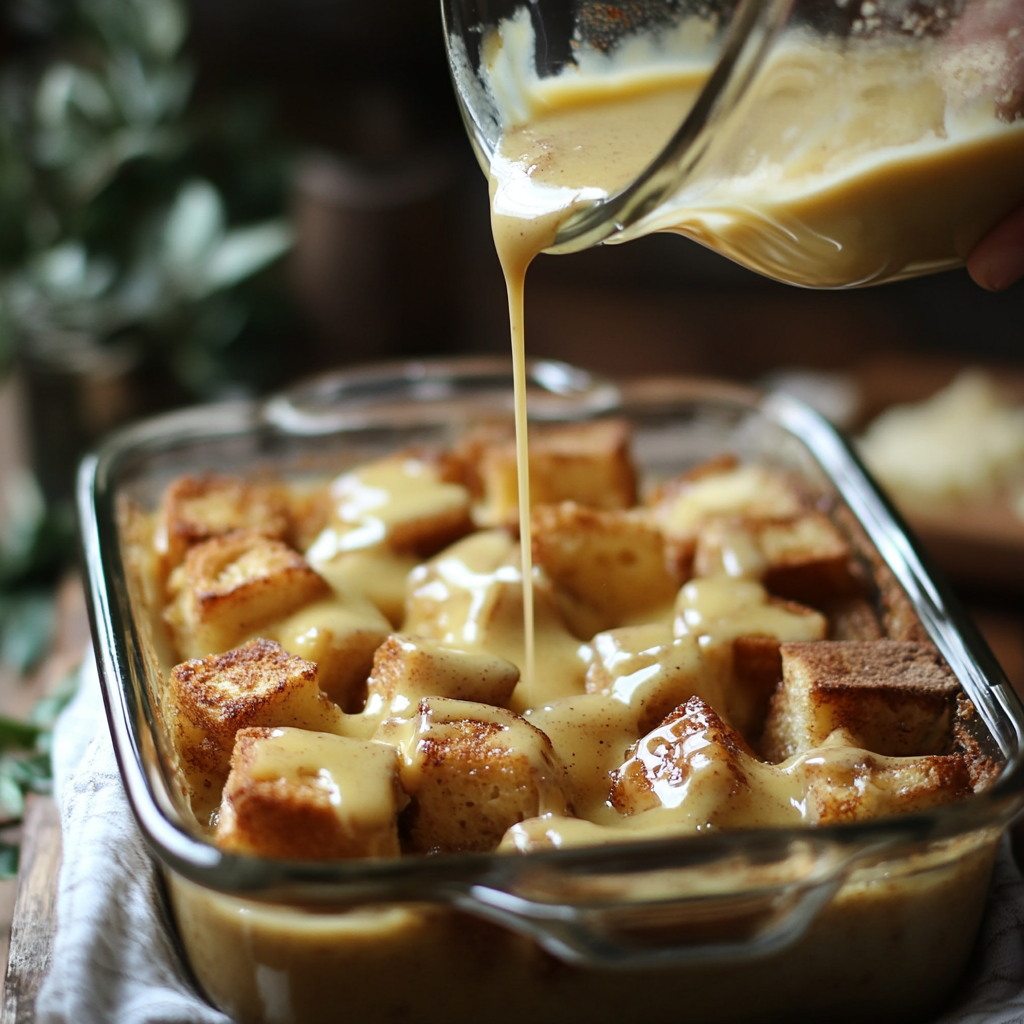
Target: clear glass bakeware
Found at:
x=638, y=905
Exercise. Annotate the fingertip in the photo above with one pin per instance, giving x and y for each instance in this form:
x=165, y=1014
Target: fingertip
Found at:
x=997, y=261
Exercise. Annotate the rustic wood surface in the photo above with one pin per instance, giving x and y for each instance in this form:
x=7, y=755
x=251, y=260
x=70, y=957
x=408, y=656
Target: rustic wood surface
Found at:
x=34, y=912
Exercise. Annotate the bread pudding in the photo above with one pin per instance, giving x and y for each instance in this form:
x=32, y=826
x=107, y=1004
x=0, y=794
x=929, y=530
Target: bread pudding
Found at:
x=720, y=653
x=361, y=781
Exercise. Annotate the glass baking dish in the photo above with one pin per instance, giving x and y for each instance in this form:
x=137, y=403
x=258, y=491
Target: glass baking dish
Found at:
x=762, y=924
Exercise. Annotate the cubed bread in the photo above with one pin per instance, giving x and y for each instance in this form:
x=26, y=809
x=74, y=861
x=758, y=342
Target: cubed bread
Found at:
x=230, y=587
x=721, y=489
x=607, y=568
x=588, y=463
x=302, y=795
x=401, y=501
x=341, y=634
x=652, y=672
x=852, y=618
x=310, y=510
x=698, y=772
x=379, y=574
x=804, y=558
x=259, y=684
x=472, y=771
x=892, y=698
x=196, y=508
x=721, y=609
x=739, y=621
x=407, y=668
x=855, y=785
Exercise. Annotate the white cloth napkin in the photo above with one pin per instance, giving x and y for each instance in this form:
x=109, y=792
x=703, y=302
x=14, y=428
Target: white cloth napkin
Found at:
x=114, y=955
x=115, y=958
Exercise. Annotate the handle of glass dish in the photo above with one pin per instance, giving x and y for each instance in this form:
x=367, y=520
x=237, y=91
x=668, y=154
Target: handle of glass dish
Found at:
x=372, y=395
x=596, y=937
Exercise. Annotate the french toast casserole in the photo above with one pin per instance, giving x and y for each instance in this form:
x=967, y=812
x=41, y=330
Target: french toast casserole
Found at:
x=720, y=652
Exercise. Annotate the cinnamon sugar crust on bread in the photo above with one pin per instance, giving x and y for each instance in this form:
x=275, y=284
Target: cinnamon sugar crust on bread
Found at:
x=893, y=697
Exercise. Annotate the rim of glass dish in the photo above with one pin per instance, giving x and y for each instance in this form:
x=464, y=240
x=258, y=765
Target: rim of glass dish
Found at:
x=752, y=29
x=486, y=883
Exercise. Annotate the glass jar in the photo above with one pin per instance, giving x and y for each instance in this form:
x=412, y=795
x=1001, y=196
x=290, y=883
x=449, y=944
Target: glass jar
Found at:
x=832, y=143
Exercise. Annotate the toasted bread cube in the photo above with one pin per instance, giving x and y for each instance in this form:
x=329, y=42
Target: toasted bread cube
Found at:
x=720, y=609
x=720, y=490
x=196, y=508
x=232, y=586
x=408, y=668
x=340, y=634
x=472, y=771
x=855, y=785
x=401, y=501
x=804, y=558
x=301, y=795
x=808, y=559
x=608, y=568
x=737, y=620
x=729, y=547
x=471, y=597
x=379, y=574
x=310, y=509
x=259, y=684
x=651, y=672
x=892, y=698
x=899, y=616
x=852, y=618
x=588, y=463
x=969, y=740
x=697, y=772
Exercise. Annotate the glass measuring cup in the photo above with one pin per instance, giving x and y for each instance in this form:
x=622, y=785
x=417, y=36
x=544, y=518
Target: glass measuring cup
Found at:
x=833, y=143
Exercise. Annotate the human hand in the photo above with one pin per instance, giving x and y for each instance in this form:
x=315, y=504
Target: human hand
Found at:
x=998, y=259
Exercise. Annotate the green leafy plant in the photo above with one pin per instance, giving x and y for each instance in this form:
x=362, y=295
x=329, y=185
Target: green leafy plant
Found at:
x=126, y=211
x=25, y=762
x=35, y=545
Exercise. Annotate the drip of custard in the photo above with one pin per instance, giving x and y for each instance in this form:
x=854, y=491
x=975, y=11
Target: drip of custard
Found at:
x=529, y=203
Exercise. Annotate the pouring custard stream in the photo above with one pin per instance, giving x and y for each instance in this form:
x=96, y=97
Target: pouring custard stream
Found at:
x=528, y=205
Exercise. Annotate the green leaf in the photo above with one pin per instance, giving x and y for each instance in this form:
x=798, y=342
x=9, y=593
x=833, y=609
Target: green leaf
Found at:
x=17, y=735
x=22, y=515
x=10, y=856
x=245, y=251
x=12, y=800
x=195, y=226
x=67, y=92
x=33, y=773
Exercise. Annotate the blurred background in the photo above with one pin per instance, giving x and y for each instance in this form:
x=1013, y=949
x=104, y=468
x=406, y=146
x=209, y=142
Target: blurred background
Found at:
x=203, y=200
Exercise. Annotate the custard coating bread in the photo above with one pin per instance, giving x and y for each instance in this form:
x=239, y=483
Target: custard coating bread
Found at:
x=195, y=509
x=297, y=794
x=730, y=654
x=472, y=771
x=230, y=586
x=259, y=684
x=608, y=568
x=588, y=463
